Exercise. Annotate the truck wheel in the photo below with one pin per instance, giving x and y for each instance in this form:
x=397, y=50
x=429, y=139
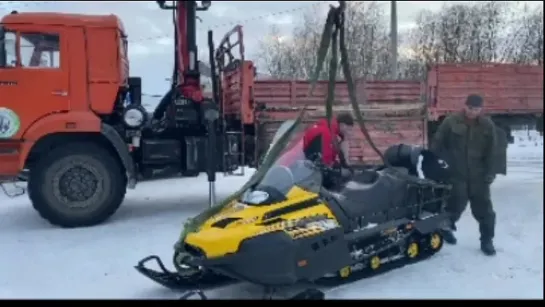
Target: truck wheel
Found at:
x=77, y=185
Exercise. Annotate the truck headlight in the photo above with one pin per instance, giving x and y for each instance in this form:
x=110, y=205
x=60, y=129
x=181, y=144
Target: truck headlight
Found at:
x=134, y=117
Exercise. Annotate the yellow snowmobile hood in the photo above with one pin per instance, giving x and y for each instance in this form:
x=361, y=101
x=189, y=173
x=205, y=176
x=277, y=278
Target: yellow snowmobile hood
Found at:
x=223, y=233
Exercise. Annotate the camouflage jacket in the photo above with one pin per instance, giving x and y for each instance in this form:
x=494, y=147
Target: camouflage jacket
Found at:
x=467, y=146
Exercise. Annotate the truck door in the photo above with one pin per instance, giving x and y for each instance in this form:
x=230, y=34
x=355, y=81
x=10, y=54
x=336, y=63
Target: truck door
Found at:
x=34, y=81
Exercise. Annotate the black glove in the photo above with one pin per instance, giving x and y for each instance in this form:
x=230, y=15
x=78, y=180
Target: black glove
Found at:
x=489, y=179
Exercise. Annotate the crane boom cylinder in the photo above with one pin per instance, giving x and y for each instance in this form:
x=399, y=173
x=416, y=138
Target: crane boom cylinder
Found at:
x=187, y=19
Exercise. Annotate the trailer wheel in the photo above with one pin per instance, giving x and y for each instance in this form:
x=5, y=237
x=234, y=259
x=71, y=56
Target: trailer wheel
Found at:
x=77, y=185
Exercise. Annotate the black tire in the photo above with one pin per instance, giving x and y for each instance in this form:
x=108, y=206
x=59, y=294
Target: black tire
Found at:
x=108, y=187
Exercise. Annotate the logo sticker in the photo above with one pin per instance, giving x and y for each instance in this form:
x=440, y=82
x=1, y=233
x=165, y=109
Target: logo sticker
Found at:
x=9, y=123
x=442, y=163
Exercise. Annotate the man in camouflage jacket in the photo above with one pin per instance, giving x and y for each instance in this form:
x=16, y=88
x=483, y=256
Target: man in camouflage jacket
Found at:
x=467, y=140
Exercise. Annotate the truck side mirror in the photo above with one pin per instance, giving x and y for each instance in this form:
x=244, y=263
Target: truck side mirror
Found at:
x=2, y=47
x=205, y=5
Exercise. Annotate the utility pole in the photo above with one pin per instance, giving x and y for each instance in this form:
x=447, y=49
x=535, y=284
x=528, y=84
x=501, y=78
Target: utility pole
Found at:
x=393, y=39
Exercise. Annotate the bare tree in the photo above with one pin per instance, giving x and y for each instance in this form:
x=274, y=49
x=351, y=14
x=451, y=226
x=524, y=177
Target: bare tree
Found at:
x=524, y=37
x=460, y=33
x=277, y=54
x=367, y=44
x=469, y=32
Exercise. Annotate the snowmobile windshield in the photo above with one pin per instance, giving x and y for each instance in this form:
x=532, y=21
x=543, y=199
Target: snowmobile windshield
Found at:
x=290, y=169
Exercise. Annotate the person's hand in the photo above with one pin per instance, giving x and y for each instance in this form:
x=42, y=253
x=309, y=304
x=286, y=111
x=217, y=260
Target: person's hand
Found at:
x=489, y=179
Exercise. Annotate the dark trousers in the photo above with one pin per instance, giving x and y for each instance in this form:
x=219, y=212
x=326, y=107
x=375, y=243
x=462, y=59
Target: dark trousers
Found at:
x=478, y=196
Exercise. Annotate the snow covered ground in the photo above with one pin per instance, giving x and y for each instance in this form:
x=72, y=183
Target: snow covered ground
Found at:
x=41, y=261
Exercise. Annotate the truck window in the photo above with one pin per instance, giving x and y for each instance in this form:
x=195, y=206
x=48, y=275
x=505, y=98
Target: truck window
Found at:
x=2, y=46
x=40, y=50
x=8, y=52
x=123, y=45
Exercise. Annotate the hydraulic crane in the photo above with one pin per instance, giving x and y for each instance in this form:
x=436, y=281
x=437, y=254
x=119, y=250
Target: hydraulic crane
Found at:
x=186, y=95
x=186, y=75
x=190, y=110
x=186, y=91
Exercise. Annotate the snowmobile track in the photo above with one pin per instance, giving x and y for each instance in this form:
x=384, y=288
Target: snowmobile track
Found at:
x=330, y=283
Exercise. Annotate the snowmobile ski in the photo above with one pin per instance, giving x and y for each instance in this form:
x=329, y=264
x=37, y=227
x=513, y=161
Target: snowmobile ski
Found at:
x=177, y=282
x=194, y=286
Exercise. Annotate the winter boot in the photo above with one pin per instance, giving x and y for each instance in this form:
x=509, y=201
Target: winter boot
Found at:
x=448, y=236
x=487, y=247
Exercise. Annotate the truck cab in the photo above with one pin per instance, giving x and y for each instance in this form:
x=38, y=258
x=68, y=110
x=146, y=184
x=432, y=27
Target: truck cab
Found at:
x=64, y=119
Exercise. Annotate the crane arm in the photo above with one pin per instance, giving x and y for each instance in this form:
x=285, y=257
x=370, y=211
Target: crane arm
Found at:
x=186, y=71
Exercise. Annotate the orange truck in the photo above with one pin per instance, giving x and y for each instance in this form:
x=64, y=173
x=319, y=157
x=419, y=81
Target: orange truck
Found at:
x=63, y=79
x=71, y=119
x=72, y=123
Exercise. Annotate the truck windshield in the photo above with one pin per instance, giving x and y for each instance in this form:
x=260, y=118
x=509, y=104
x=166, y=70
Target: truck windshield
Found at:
x=2, y=46
x=123, y=46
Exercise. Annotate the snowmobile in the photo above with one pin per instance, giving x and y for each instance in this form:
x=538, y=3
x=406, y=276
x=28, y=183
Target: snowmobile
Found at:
x=287, y=228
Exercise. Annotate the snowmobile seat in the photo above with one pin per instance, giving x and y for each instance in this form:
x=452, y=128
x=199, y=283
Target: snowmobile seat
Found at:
x=374, y=199
x=365, y=176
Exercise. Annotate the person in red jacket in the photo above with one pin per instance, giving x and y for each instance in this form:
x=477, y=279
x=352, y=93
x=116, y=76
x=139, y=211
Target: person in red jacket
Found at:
x=328, y=143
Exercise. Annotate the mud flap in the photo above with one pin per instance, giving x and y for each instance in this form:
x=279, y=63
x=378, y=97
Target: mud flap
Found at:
x=123, y=152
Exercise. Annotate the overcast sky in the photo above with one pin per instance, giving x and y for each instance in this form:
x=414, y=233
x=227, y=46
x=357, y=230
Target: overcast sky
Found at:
x=150, y=29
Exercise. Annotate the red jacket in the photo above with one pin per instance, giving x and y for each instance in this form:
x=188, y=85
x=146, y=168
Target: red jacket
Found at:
x=321, y=129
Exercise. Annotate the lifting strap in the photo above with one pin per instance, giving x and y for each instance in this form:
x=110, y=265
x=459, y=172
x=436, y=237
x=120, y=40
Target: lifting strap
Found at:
x=334, y=35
